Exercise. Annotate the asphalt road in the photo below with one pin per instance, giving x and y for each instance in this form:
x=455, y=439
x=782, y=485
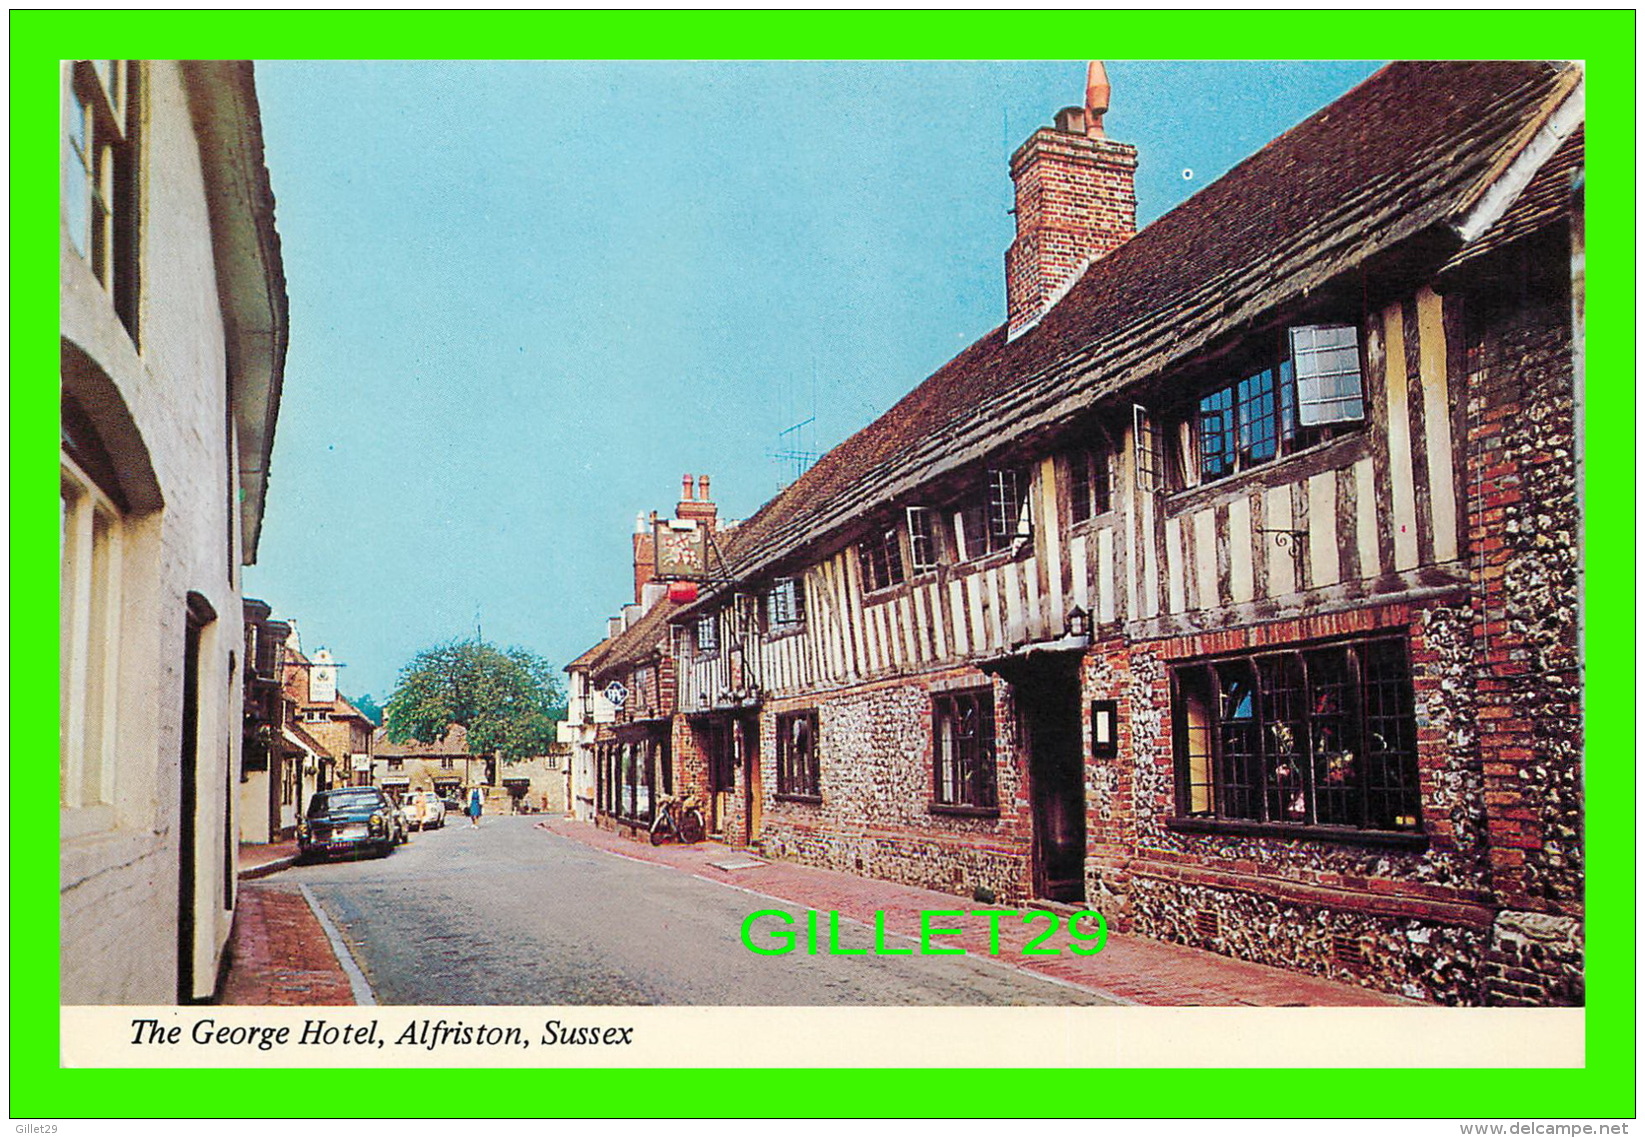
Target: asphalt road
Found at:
x=509, y=914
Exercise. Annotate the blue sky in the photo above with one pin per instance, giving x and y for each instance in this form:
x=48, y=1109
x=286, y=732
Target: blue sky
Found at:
x=527, y=297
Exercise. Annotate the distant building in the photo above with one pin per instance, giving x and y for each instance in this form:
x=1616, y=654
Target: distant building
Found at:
x=446, y=767
x=174, y=326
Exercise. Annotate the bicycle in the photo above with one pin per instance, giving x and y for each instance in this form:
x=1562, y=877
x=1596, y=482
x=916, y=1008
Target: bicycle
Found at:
x=686, y=828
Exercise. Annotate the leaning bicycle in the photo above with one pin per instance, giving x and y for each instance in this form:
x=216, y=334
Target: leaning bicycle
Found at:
x=680, y=818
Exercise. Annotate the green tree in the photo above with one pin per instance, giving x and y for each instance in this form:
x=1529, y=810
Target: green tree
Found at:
x=367, y=707
x=510, y=700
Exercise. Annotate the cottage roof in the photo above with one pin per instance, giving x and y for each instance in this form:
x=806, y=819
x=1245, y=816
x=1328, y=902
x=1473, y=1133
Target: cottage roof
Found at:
x=454, y=742
x=1546, y=198
x=1402, y=156
x=637, y=642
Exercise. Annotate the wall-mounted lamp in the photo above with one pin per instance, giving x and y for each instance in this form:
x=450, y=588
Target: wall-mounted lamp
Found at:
x=1079, y=622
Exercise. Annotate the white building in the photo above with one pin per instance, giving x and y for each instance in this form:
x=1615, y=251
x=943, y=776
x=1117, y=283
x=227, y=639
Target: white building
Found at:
x=174, y=329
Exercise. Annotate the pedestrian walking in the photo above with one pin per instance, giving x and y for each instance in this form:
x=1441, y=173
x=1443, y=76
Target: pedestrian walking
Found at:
x=476, y=803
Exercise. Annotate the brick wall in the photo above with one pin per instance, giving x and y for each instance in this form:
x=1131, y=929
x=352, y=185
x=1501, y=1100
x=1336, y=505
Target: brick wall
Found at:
x=1524, y=541
x=1075, y=201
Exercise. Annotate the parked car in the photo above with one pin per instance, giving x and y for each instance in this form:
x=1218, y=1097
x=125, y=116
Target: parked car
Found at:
x=423, y=810
x=350, y=818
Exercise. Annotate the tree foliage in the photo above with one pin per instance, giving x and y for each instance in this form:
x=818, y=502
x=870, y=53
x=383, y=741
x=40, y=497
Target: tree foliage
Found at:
x=367, y=707
x=510, y=700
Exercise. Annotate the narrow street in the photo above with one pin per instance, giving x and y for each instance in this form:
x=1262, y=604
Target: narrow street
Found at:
x=509, y=914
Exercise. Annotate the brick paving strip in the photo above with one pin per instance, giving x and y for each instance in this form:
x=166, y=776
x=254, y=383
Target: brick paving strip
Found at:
x=1133, y=969
x=281, y=955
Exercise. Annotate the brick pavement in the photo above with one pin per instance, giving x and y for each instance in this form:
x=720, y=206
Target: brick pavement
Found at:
x=279, y=954
x=1130, y=967
x=259, y=859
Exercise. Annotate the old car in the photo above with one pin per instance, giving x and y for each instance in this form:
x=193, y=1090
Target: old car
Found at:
x=423, y=810
x=350, y=818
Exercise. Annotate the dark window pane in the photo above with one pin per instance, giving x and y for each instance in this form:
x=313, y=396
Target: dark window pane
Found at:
x=1079, y=486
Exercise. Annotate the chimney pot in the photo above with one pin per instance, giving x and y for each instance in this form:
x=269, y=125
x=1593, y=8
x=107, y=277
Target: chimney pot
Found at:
x=1097, y=92
x=685, y=489
x=702, y=488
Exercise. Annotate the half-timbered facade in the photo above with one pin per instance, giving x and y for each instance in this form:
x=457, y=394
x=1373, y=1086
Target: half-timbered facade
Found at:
x=1230, y=586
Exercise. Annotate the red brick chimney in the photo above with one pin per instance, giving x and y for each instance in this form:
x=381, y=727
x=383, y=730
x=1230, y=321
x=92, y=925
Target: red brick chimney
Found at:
x=645, y=553
x=1076, y=202
x=695, y=503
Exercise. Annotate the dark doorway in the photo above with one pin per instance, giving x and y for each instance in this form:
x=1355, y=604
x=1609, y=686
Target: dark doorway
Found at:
x=1047, y=692
x=748, y=746
x=722, y=767
x=199, y=615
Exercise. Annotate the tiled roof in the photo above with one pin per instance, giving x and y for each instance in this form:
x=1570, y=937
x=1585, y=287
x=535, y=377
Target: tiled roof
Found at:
x=1402, y=155
x=637, y=642
x=454, y=743
x=1546, y=198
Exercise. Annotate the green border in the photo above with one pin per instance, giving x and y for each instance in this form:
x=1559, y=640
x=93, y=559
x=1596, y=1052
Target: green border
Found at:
x=1603, y=1088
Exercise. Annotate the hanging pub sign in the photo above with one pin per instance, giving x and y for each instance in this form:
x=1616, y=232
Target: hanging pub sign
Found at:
x=681, y=547
x=615, y=694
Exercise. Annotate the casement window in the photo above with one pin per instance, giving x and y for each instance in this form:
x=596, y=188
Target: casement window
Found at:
x=881, y=556
x=708, y=635
x=1308, y=388
x=1090, y=484
x=924, y=548
x=962, y=725
x=1150, y=450
x=1321, y=736
x=797, y=765
x=89, y=626
x=100, y=175
x=396, y=764
x=448, y=763
x=785, y=605
x=996, y=517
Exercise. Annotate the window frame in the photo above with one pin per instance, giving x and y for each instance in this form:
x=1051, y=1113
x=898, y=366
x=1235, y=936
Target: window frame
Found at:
x=783, y=606
x=925, y=532
x=971, y=785
x=708, y=645
x=90, y=569
x=982, y=522
x=880, y=556
x=799, y=775
x=1089, y=472
x=1295, y=712
x=100, y=171
x=1255, y=416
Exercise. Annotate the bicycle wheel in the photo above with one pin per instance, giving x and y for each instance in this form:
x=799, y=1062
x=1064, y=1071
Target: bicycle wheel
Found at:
x=691, y=827
x=658, y=832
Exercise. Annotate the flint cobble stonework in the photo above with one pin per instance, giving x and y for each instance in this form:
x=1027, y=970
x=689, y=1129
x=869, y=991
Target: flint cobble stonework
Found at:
x=875, y=756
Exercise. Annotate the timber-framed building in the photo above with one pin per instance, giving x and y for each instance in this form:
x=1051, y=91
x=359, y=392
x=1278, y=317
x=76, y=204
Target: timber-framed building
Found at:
x=1230, y=586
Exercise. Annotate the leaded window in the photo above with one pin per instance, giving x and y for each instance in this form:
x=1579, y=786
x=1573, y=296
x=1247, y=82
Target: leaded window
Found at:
x=798, y=774
x=784, y=605
x=1308, y=386
x=881, y=555
x=1318, y=736
x=924, y=554
x=1089, y=483
x=962, y=726
x=995, y=516
x=708, y=635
